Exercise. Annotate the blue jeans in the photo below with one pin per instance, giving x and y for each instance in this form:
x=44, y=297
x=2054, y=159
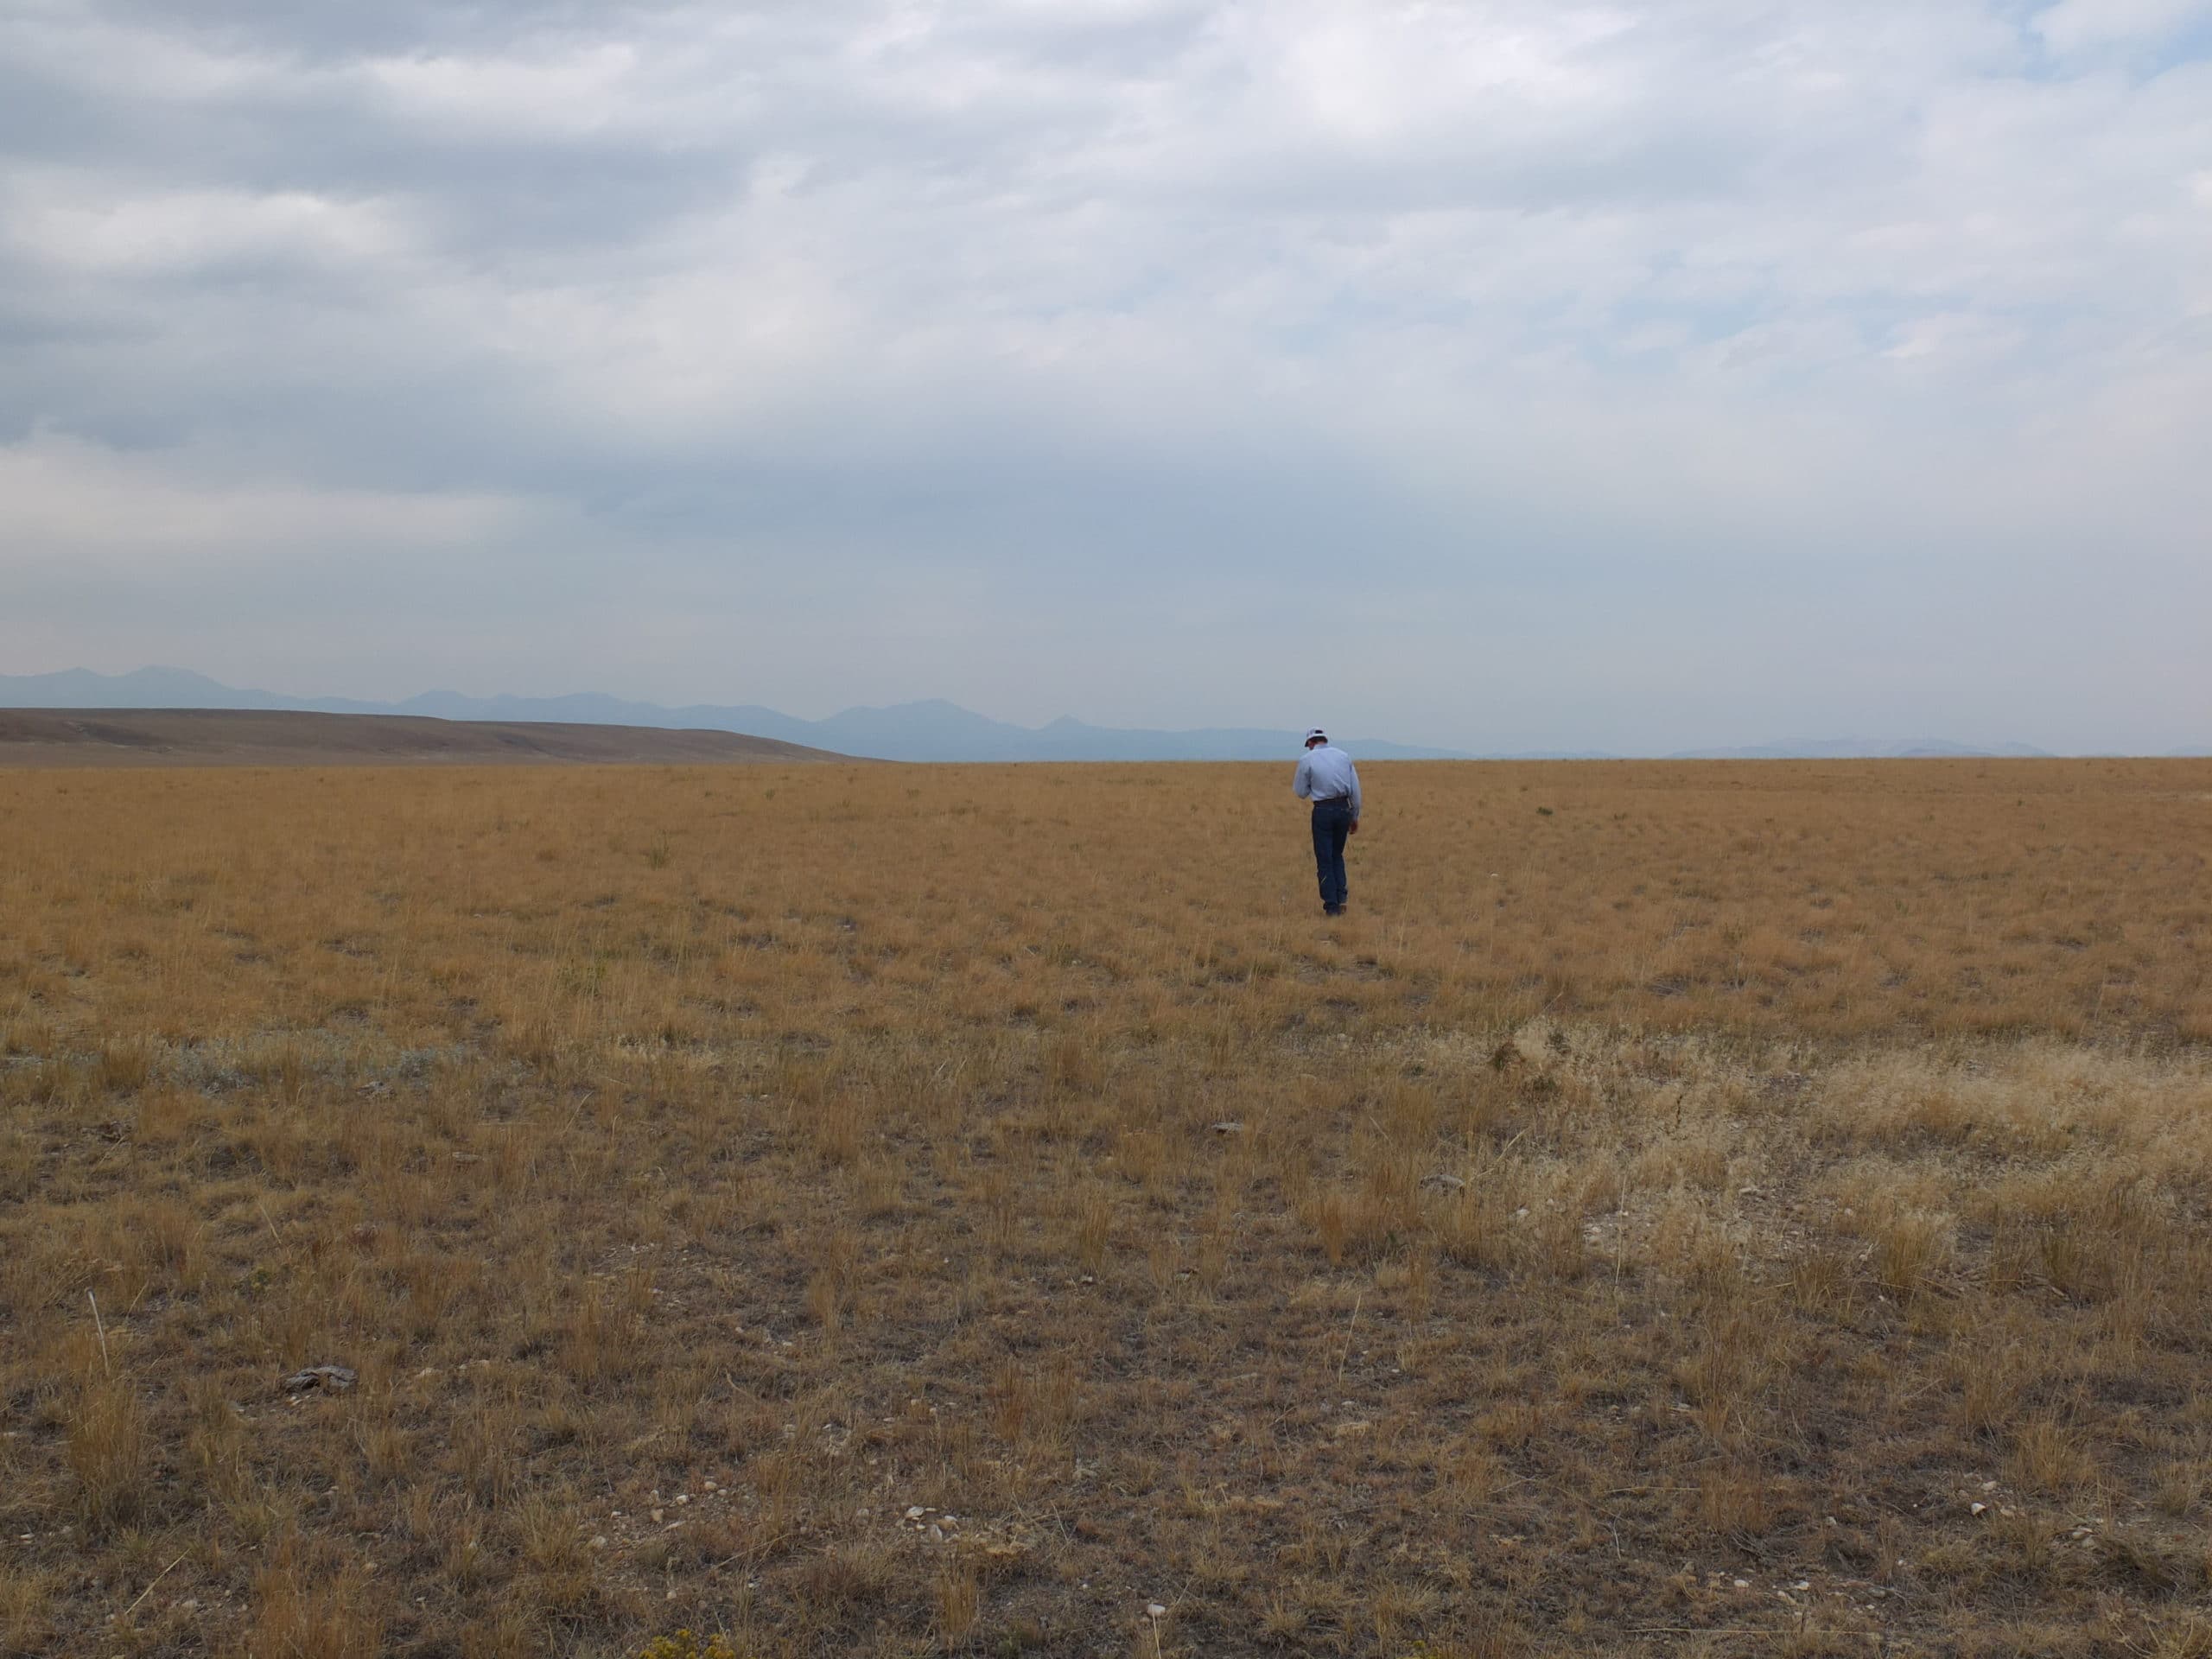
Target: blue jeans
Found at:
x=1331, y=826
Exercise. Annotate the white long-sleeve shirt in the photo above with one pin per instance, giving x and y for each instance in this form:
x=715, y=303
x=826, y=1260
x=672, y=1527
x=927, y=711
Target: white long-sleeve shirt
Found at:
x=1324, y=774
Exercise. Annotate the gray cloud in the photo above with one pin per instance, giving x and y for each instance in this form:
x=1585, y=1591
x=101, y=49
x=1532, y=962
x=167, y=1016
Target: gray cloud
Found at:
x=1763, y=362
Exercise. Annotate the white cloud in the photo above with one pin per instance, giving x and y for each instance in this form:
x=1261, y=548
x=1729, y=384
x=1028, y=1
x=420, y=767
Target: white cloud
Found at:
x=569, y=92
x=70, y=507
x=1035, y=296
x=86, y=222
x=73, y=45
x=2079, y=25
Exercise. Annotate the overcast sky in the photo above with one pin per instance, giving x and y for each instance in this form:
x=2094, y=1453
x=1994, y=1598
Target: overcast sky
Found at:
x=1497, y=374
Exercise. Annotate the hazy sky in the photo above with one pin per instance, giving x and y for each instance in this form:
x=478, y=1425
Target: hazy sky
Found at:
x=1502, y=374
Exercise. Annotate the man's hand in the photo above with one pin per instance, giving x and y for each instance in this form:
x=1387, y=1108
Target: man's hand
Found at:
x=1355, y=828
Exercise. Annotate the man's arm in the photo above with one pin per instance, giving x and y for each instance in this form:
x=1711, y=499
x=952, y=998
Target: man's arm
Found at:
x=1301, y=781
x=1355, y=796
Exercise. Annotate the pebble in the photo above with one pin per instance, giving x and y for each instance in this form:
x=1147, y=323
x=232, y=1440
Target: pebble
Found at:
x=336, y=1378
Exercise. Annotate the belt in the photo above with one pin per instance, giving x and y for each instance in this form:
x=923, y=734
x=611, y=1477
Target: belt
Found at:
x=1329, y=800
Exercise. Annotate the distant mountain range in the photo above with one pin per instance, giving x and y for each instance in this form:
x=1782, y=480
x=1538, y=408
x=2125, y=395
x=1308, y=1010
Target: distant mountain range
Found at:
x=1861, y=748
x=933, y=730
x=277, y=737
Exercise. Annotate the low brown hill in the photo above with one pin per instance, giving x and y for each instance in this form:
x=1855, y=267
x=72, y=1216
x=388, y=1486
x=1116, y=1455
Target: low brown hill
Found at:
x=220, y=737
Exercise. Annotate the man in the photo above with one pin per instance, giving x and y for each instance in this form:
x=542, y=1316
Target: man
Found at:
x=1327, y=778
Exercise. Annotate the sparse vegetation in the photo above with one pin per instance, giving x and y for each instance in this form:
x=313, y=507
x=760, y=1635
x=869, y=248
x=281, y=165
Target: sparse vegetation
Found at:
x=1756, y=1208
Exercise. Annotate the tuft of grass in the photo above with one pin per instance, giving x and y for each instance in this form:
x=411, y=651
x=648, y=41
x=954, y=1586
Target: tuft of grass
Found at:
x=303, y=1611
x=683, y=1645
x=2049, y=1456
x=109, y=1451
x=1909, y=1250
x=958, y=1603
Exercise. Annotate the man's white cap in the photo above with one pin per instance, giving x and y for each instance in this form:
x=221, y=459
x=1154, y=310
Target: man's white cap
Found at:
x=1317, y=732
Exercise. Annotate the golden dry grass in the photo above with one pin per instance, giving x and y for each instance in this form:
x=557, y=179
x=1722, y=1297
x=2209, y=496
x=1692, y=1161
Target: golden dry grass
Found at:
x=912, y=1210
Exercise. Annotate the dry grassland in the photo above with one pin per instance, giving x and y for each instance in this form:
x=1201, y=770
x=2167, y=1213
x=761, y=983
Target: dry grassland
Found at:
x=1754, y=1209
